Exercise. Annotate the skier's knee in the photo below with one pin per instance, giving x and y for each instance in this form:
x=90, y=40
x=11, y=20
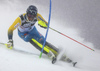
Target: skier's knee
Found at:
x=26, y=40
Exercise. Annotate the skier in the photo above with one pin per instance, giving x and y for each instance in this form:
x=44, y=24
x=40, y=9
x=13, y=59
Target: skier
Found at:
x=27, y=31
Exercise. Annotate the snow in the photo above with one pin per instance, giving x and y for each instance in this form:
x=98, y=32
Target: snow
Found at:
x=11, y=60
x=17, y=61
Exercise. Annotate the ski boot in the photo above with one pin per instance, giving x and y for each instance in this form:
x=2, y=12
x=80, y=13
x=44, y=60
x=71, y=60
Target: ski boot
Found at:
x=52, y=56
x=64, y=58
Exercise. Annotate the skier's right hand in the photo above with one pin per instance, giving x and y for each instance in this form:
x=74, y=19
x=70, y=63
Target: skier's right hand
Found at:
x=42, y=26
x=10, y=44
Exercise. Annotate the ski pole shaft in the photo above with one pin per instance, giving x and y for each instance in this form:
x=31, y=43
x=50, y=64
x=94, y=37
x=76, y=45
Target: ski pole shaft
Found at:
x=3, y=43
x=71, y=39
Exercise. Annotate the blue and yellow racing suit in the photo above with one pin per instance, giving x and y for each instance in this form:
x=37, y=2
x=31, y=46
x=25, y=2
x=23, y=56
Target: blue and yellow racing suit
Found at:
x=28, y=32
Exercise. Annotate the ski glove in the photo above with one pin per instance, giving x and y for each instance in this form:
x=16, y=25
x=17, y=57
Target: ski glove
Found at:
x=42, y=24
x=10, y=44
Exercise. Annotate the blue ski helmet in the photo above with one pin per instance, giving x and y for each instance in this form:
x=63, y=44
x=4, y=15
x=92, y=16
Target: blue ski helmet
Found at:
x=31, y=11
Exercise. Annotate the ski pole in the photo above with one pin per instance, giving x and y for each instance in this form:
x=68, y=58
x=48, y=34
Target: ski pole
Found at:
x=71, y=39
x=3, y=43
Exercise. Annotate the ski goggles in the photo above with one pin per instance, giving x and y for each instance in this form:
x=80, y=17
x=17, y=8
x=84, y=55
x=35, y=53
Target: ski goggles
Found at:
x=32, y=15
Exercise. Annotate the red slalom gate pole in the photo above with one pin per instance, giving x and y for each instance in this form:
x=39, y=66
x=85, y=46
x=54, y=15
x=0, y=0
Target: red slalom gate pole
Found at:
x=72, y=39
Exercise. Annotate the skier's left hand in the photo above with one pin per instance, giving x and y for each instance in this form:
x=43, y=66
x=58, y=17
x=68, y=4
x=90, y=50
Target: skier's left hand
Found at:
x=10, y=44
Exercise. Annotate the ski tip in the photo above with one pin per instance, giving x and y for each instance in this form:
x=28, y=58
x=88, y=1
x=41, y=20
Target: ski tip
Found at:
x=74, y=63
x=93, y=50
x=54, y=60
